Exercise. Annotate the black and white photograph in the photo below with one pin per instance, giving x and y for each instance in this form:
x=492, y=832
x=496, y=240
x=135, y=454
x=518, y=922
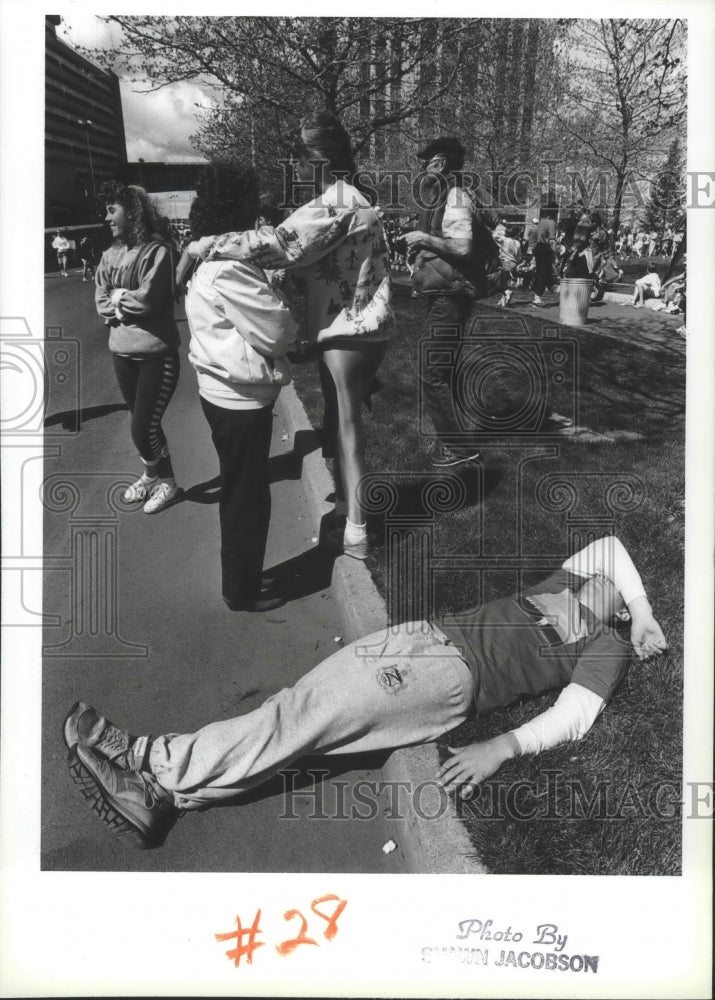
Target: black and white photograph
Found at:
x=357, y=452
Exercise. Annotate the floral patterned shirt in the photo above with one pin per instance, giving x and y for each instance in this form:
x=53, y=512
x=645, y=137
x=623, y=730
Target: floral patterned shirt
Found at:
x=334, y=247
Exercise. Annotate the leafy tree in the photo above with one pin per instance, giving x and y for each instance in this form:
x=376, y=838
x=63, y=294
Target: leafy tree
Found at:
x=624, y=96
x=667, y=192
x=269, y=71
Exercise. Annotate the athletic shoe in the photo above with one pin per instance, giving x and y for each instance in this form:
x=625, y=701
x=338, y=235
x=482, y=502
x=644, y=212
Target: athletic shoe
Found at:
x=85, y=726
x=162, y=495
x=140, y=491
x=538, y=301
x=131, y=804
x=447, y=459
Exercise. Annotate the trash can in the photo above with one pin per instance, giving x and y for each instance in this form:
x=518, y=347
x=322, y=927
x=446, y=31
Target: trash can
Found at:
x=573, y=301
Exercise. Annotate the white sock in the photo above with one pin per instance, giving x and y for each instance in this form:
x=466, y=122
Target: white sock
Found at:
x=354, y=532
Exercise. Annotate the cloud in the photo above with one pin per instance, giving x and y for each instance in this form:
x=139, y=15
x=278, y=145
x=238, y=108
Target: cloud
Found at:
x=157, y=124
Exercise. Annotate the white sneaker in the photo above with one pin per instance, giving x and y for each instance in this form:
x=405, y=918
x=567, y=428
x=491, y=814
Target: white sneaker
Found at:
x=140, y=491
x=162, y=495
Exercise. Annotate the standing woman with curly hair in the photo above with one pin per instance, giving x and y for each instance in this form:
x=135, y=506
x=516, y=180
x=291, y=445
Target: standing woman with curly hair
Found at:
x=334, y=248
x=135, y=297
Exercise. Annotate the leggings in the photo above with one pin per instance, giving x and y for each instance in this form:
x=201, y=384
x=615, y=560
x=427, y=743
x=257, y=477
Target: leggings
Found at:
x=147, y=385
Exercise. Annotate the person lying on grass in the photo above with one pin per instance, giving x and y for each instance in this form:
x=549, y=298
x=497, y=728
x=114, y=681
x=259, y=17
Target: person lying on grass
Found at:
x=408, y=685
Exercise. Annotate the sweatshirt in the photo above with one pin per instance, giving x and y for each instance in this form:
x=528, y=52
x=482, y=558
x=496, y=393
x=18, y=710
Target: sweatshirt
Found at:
x=148, y=325
x=241, y=329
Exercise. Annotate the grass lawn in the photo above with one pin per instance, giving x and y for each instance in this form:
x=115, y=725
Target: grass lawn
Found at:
x=610, y=804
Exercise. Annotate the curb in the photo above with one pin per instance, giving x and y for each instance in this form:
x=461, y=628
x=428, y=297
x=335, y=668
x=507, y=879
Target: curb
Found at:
x=429, y=846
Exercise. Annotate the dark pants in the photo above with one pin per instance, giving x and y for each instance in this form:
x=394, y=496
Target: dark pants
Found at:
x=437, y=371
x=242, y=439
x=544, y=275
x=147, y=385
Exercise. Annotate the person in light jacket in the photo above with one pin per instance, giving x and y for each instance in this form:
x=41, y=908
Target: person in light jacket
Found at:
x=241, y=329
x=334, y=249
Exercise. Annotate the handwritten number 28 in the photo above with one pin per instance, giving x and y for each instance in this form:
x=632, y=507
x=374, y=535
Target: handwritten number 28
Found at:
x=286, y=947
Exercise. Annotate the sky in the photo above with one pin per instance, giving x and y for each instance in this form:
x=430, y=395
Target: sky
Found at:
x=157, y=124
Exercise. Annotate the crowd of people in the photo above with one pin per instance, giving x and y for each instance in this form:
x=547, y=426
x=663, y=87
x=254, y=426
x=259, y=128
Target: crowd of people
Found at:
x=252, y=281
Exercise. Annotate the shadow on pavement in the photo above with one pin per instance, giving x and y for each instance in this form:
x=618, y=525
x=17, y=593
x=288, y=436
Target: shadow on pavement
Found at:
x=207, y=492
x=72, y=420
x=306, y=775
x=304, y=574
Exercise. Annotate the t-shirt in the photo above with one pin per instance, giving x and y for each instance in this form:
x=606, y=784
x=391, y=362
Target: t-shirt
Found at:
x=546, y=230
x=514, y=649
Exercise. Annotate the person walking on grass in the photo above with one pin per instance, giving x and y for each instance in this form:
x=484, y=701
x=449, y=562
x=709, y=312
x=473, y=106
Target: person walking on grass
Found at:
x=456, y=261
x=405, y=686
x=510, y=258
x=241, y=330
x=135, y=297
x=334, y=249
x=545, y=257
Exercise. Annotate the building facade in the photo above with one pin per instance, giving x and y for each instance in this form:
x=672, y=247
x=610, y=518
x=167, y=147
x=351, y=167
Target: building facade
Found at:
x=84, y=133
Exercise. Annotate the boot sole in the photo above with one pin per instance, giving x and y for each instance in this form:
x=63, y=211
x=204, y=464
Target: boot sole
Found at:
x=111, y=817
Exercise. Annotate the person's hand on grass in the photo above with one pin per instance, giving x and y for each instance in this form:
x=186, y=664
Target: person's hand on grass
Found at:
x=646, y=634
x=470, y=765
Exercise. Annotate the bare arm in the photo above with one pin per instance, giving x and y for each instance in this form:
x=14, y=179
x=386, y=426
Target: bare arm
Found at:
x=448, y=249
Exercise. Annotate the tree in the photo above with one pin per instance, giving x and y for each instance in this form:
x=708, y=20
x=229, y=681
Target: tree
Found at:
x=667, y=192
x=271, y=70
x=625, y=96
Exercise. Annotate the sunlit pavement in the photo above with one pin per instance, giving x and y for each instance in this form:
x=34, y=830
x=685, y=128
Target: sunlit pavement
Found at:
x=142, y=632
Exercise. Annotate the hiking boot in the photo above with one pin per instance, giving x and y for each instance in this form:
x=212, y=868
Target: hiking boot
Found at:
x=84, y=725
x=447, y=458
x=163, y=495
x=131, y=804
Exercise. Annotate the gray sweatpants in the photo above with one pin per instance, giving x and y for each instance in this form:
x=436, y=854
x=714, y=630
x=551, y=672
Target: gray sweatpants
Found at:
x=388, y=689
